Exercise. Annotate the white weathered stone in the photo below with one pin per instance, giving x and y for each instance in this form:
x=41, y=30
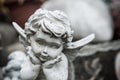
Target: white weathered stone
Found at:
x=46, y=35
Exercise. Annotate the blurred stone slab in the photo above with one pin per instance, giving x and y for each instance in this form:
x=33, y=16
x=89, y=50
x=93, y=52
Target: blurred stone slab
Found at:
x=100, y=47
x=96, y=61
x=1, y=74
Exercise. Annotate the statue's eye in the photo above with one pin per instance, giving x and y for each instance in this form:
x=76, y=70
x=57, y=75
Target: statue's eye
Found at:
x=55, y=46
x=39, y=41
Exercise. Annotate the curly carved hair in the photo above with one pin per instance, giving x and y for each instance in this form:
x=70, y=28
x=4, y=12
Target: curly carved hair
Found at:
x=54, y=23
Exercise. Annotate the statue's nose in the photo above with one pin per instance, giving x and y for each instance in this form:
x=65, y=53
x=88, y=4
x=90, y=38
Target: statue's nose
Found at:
x=45, y=52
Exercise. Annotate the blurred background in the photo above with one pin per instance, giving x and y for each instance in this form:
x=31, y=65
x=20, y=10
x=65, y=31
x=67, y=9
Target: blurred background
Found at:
x=101, y=17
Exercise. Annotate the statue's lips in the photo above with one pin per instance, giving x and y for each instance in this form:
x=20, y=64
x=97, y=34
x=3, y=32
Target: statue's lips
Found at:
x=43, y=57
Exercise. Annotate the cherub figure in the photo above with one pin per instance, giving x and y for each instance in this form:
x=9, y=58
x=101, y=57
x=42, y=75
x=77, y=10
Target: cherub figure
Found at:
x=46, y=35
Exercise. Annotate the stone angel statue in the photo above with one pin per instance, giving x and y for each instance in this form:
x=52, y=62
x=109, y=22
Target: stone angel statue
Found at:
x=48, y=39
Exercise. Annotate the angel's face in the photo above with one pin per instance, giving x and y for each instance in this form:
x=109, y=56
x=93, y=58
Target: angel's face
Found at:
x=44, y=46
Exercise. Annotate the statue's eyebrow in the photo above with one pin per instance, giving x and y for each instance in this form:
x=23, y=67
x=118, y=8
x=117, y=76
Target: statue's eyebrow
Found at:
x=49, y=43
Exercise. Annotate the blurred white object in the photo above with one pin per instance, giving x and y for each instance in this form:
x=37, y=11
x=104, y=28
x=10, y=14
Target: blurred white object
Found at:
x=12, y=70
x=117, y=66
x=86, y=16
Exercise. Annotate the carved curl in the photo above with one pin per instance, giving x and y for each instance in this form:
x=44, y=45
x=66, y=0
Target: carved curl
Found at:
x=55, y=23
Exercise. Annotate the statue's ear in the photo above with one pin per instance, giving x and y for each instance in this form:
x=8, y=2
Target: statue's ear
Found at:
x=19, y=30
x=22, y=37
x=80, y=43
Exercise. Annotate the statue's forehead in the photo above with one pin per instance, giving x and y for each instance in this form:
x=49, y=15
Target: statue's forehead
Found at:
x=41, y=35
